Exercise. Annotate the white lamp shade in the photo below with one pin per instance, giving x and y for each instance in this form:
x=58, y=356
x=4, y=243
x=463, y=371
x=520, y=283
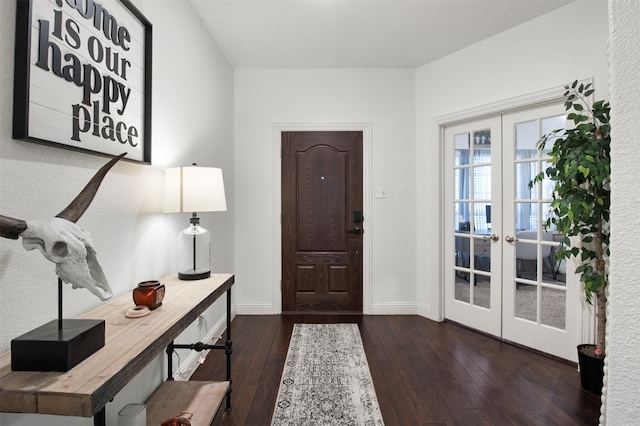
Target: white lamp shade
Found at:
x=194, y=189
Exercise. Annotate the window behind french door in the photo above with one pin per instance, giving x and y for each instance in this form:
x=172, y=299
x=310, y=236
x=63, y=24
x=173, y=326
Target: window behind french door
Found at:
x=501, y=276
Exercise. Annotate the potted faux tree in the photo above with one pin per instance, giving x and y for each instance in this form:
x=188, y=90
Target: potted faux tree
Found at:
x=580, y=169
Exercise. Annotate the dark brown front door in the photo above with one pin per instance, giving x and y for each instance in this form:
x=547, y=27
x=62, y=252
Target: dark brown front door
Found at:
x=322, y=221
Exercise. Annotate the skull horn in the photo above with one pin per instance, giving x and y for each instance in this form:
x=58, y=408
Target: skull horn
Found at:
x=11, y=228
x=79, y=205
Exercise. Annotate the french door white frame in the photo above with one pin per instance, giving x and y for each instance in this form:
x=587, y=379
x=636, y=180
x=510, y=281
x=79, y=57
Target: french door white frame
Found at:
x=500, y=107
x=487, y=316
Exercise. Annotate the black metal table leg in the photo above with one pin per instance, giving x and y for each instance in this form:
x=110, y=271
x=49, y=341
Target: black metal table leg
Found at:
x=199, y=346
x=169, y=351
x=100, y=418
x=228, y=350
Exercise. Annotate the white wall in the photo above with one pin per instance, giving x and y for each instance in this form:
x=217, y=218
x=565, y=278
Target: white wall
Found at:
x=382, y=98
x=547, y=52
x=192, y=121
x=621, y=402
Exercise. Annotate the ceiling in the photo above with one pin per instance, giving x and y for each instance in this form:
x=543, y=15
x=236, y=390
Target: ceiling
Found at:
x=357, y=33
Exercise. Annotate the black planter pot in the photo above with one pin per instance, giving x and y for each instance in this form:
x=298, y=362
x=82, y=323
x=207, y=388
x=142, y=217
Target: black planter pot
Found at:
x=591, y=371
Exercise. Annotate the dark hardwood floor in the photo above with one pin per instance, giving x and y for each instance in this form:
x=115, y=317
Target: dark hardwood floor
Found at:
x=424, y=373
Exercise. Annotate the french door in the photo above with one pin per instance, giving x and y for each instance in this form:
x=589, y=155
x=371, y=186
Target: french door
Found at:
x=501, y=276
x=473, y=294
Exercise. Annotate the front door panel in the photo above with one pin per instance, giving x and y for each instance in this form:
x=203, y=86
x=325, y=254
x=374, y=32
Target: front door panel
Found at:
x=322, y=221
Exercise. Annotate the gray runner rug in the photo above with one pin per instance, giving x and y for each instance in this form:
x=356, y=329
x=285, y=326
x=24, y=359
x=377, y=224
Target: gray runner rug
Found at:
x=326, y=379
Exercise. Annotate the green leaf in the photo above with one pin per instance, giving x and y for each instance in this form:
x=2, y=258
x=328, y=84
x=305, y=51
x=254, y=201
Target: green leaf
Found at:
x=579, y=167
x=584, y=170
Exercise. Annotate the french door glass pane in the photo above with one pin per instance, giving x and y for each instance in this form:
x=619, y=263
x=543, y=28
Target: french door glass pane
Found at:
x=463, y=149
x=482, y=218
x=482, y=254
x=462, y=183
x=461, y=217
x=553, y=307
x=482, y=147
x=526, y=303
x=526, y=140
x=482, y=182
x=525, y=172
x=549, y=124
x=482, y=291
x=526, y=218
x=462, y=291
x=546, y=184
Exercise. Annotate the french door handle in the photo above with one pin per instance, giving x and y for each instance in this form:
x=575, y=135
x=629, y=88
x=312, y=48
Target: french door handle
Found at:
x=492, y=237
x=355, y=231
x=510, y=239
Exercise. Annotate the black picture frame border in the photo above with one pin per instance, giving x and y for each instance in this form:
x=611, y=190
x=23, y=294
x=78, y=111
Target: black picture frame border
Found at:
x=22, y=79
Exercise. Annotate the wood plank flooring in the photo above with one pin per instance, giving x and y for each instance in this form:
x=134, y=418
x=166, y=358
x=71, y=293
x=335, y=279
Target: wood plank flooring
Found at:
x=424, y=372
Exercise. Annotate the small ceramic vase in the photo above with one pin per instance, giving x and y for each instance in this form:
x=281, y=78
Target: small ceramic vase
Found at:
x=149, y=294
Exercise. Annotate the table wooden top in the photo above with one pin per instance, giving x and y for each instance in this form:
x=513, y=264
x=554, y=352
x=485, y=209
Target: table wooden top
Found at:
x=130, y=344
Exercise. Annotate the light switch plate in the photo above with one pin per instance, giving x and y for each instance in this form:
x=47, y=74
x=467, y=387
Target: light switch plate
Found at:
x=381, y=192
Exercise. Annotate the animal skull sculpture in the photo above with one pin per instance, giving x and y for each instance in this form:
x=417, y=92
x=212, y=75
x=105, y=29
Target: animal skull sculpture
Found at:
x=70, y=248
x=63, y=242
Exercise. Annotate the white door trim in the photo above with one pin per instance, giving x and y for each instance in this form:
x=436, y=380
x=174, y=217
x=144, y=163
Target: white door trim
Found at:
x=276, y=253
x=529, y=100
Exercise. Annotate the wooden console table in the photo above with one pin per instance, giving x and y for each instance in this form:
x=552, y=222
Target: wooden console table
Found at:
x=130, y=344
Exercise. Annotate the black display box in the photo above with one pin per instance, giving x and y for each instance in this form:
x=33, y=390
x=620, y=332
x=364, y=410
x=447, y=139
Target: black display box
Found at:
x=48, y=348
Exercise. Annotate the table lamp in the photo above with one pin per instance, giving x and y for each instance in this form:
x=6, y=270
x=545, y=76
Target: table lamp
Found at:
x=194, y=189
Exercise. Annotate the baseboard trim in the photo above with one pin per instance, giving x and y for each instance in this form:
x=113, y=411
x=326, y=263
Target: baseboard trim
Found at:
x=424, y=310
x=255, y=309
x=394, y=308
x=382, y=308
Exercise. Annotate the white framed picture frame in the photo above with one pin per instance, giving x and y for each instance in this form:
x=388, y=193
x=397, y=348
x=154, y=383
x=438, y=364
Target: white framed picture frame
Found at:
x=83, y=76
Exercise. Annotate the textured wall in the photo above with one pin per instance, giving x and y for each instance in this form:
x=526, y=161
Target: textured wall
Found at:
x=622, y=399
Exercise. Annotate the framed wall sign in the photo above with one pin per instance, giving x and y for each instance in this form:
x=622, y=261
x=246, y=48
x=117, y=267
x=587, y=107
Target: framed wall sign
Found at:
x=83, y=76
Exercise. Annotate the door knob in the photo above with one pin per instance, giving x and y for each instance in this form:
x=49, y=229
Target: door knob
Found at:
x=492, y=237
x=509, y=239
x=355, y=231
